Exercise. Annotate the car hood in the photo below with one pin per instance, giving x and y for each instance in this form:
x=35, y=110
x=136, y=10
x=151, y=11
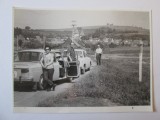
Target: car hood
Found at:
x=79, y=58
x=26, y=64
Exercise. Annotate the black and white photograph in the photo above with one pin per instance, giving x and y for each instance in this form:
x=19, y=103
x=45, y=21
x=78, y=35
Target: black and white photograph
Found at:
x=82, y=60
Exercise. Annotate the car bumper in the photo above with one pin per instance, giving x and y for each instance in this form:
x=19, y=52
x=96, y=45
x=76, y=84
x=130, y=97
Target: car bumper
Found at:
x=21, y=79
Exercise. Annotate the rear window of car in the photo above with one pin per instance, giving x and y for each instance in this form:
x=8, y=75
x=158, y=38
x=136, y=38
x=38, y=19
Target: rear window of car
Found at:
x=28, y=56
x=79, y=53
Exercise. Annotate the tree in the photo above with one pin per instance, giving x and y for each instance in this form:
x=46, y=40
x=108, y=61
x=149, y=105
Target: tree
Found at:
x=17, y=31
x=86, y=37
x=27, y=27
x=33, y=43
x=98, y=33
x=20, y=42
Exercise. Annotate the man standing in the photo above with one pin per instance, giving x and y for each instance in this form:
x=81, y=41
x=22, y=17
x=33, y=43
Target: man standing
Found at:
x=98, y=55
x=47, y=61
x=71, y=52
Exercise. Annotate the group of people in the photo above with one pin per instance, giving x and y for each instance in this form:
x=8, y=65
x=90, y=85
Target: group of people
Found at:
x=47, y=62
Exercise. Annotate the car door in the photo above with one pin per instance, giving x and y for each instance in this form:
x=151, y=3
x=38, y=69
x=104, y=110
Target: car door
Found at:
x=87, y=60
x=73, y=69
x=56, y=68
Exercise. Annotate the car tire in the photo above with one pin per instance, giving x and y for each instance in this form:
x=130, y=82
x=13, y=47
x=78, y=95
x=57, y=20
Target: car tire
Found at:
x=90, y=66
x=83, y=70
x=70, y=79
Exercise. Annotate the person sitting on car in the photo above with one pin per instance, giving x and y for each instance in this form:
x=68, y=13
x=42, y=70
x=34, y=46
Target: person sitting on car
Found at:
x=71, y=52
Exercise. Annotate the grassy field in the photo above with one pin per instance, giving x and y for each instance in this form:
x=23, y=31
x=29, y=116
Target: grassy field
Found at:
x=114, y=83
x=126, y=50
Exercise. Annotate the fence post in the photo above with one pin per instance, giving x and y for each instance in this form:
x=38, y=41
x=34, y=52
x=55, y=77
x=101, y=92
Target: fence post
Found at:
x=17, y=42
x=140, y=61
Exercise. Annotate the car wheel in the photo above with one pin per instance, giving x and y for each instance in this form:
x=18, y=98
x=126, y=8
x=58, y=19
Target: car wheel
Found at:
x=79, y=72
x=82, y=70
x=70, y=79
x=90, y=66
x=85, y=68
x=41, y=83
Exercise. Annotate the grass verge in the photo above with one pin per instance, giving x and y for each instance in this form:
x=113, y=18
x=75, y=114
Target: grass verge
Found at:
x=113, y=83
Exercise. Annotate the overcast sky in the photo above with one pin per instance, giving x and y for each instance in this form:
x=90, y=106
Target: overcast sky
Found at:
x=57, y=19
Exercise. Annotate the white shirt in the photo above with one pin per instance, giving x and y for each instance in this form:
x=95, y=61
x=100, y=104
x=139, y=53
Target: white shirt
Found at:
x=99, y=51
x=48, y=60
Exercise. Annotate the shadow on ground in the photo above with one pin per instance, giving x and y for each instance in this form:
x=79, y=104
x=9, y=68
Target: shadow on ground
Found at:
x=25, y=87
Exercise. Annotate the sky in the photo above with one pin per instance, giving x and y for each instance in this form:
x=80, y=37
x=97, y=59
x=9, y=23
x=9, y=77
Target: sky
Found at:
x=59, y=19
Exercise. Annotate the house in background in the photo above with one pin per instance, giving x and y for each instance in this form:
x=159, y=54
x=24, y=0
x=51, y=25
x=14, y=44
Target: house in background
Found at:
x=55, y=40
x=117, y=41
x=135, y=43
x=146, y=43
x=127, y=42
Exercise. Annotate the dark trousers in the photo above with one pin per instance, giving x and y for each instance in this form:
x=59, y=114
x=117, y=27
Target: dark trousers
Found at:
x=48, y=76
x=98, y=59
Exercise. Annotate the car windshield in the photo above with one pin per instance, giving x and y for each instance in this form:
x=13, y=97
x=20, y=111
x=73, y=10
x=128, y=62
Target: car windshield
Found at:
x=28, y=56
x=57, y=54
x=79, y=53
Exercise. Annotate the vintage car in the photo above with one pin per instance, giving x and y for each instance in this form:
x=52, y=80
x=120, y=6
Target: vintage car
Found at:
x=27, y=68
x=85, y=62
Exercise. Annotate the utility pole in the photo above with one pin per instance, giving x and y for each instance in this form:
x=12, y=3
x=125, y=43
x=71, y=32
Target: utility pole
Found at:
x=44, y=40
x=17, y=42
x=140, y=61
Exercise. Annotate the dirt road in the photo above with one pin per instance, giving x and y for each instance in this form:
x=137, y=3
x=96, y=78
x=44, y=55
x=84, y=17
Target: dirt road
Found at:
x=31, y=99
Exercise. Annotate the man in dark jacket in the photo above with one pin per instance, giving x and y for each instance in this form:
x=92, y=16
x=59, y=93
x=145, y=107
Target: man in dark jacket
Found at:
x=71, y=52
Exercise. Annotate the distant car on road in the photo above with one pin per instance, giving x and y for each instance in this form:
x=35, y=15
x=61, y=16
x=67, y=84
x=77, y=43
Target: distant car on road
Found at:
x=27, y=68
x=85, y=62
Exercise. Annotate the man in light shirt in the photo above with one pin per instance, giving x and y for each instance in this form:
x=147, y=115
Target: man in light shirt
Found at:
x=47, y=61
x=98, y=55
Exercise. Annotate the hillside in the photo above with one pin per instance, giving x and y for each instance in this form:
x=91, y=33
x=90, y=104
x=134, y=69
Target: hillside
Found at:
x=91, y=29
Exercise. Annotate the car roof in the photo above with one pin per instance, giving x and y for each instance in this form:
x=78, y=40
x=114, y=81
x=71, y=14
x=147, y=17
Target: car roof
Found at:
x=32, y=50
x=38, y=50
x=77, y=50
